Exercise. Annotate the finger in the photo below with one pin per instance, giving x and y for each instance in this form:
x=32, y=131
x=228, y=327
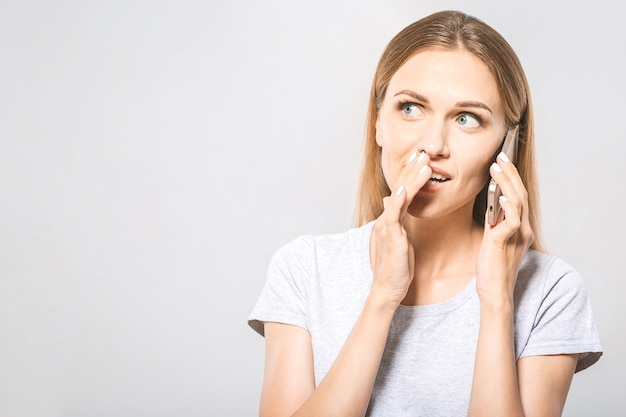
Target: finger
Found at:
x=417, y=177
x=393, y=207
x=519, y=187
x=409, y=169
x=414, y=174
x=510, y=213
x=516, y=226
x=505, y=226
x=513, y=176
x=511, y=218
x=418, y=180
x=388, y=223
x=505, y=182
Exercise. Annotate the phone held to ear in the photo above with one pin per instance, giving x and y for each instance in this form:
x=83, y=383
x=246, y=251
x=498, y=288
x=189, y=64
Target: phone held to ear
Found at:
x=493, y=192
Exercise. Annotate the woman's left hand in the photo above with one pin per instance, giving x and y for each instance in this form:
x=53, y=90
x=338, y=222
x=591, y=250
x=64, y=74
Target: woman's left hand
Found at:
x=505, y=243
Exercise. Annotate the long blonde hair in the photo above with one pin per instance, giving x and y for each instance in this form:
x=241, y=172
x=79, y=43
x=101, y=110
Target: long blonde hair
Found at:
x=453, y=30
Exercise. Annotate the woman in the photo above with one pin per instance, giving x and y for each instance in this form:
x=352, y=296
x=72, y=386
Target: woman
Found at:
x=426, y=309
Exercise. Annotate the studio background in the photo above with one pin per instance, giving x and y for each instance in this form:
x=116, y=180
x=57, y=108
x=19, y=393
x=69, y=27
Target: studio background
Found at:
x=154, y=155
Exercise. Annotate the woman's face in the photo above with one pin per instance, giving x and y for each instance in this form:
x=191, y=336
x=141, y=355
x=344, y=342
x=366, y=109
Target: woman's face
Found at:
x=445, y=103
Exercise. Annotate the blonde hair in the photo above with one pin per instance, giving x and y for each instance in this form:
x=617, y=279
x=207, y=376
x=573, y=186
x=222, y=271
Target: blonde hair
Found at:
x=453, y=30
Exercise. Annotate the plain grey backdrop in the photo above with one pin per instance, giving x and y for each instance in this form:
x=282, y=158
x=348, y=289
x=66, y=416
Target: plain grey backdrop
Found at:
x=154, y=154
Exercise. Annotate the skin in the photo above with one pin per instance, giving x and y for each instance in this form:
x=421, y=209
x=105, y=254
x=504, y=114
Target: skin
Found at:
x=441, y=114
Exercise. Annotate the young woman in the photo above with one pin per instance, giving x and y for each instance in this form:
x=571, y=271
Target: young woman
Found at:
x=426, y=309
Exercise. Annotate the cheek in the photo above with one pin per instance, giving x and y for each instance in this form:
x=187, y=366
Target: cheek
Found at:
x=479, y=183
x=477, y=173
x=395, y=149
x=483, y=171
x=389, y=167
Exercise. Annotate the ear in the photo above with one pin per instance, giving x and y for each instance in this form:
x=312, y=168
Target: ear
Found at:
x=379, y=135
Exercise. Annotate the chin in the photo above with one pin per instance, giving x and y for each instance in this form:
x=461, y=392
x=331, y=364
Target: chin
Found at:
x=423, y=210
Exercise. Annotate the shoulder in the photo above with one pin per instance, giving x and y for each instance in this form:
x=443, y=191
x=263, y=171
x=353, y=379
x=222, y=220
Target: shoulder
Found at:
x=546, y=282
x=553, y=312
x=542, y=272
x=312, y=248
x=323, y=261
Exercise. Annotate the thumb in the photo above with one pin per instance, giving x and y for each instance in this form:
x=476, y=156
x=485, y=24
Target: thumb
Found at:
x=394, y=204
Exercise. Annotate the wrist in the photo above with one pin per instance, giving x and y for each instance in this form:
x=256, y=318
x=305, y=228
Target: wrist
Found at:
x=379, y=303
x=497, y=306
x=495, y=297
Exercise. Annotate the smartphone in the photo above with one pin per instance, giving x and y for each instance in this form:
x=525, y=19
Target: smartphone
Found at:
x=509, y=147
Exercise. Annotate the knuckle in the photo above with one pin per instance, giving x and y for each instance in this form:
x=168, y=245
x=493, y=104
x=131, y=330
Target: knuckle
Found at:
x=516, y=200
x=524, y=195
x=528, y=235
x=389, y=221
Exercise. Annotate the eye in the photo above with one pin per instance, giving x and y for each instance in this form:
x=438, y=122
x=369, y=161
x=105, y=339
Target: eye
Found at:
x=409, y=109
x=468, y=120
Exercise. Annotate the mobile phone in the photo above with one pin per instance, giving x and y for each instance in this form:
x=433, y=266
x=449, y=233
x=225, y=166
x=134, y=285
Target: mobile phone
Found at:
x=509, y=147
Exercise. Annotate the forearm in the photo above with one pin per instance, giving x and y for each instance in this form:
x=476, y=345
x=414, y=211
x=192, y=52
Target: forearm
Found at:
x=347, y=387
x=495, y=387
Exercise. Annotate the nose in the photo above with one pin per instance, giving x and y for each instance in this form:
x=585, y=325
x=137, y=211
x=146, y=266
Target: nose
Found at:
x=433, y=139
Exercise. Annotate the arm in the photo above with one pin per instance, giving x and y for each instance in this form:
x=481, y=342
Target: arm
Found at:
x=544, y=382
x=495, y=387
x=288, y=379
x=288, y=386
x=536, y=386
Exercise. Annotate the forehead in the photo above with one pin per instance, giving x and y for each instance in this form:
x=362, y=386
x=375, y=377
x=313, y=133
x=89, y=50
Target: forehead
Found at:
x=447, y=74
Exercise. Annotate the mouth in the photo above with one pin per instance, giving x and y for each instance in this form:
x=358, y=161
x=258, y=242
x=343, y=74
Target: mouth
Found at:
x=437, y=178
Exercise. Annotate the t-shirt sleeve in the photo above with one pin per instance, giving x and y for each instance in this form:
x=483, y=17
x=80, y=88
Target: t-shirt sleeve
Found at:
x=564, y=323
x=284, y=296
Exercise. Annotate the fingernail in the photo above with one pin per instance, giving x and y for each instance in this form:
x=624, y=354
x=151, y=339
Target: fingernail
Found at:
x=423, y=169
x=413, y=156
x=422, y=155
x=504, y=158
x=503, y=199
x=496, y=167
x=400, y=190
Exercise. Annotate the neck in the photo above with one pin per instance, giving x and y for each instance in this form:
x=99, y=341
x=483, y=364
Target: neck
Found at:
x=447, y=246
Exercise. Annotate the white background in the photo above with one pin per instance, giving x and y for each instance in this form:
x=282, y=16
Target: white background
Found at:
x=155, y=154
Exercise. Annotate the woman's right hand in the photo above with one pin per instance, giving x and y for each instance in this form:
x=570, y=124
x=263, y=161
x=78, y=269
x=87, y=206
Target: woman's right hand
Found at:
x=392, y=254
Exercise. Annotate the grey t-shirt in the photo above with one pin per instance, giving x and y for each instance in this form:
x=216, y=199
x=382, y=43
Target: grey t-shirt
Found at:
x=320, y=283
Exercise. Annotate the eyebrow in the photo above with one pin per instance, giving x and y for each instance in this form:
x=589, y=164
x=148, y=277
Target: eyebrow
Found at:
x=423, y=99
